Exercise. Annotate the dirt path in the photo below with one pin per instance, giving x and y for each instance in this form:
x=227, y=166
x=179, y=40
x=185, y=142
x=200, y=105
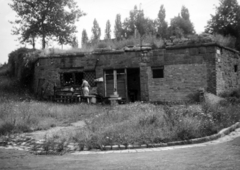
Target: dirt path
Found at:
x=38, y=135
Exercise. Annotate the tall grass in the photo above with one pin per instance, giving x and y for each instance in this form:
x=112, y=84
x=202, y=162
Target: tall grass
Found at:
x=143, y=124
x=29, y=116
x=107, y=45
x=137, y=123
x=19, y=112
x=146, y=123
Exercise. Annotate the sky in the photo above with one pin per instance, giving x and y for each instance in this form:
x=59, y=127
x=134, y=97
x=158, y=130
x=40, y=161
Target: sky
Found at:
x=103, y=10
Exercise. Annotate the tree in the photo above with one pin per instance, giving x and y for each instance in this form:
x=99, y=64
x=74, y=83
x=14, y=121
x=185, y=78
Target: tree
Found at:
x=84, y=37
x=118, y=30
x=185, y=13
x=74, y=42
x=226, y=21
x=108, y=30
x=181, y=25
x=47, y=19
x=129, y=24
x=137, y=23
x=161, y=23
x=96, y=30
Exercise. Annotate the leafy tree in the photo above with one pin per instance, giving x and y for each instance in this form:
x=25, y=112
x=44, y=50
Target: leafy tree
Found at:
x=74, y=42
x=181, y=25
x=118, y=30
x=47, y=19
x=108, y=30
x=150, y=26
x=84, y=37
x=226, y=21
x=137, y=23
x=185, y=13
x=129, y=24
x=96, y=30
x=141, y=23
x=161, y=23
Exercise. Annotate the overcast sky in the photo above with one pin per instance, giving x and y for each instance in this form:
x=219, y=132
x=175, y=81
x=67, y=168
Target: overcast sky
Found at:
x=103, y=10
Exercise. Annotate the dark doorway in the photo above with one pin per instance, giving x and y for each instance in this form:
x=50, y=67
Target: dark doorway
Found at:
x=133, y=84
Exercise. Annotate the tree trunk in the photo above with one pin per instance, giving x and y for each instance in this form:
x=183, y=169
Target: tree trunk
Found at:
x=33, y=42
x=43, y=42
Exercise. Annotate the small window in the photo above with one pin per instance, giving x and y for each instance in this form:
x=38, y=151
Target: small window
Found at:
x=68, y=78
x=90, y=76
x=78, y=78
x=158, y=72
x=120, y=71
x=72, y=78
x=109, y=71
x=236, y=68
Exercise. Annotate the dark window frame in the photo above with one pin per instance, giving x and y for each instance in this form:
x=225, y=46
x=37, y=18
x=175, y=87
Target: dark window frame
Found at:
x=235, y=68
x=74, y=82
x=158, y=72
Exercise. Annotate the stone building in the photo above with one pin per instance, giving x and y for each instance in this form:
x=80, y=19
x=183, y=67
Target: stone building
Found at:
x=168, y=74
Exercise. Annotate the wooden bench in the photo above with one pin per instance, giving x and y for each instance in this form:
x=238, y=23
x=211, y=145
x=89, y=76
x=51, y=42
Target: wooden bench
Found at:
x=89, y=99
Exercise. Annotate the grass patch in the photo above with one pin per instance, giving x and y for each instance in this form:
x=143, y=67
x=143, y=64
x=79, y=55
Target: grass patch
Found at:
x=19, y=112
x=21, y=116
x=146, y=123
x=136, y=123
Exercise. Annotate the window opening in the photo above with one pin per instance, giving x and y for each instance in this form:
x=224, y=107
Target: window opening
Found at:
x=68, y=79
x=78, y=78
x=158, y=72
x=90, y=76
x=236, y=68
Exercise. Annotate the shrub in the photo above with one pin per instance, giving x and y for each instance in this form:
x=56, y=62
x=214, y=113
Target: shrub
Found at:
x=232, y=96
x=222, y=115
x=227, y=41
x=146, y=123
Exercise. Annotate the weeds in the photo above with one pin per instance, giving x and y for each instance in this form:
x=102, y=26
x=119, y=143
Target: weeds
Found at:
x=137, y=123
x=146, y=123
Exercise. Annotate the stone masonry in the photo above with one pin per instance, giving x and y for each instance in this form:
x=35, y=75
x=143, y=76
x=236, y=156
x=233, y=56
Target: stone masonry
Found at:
x=186, y=69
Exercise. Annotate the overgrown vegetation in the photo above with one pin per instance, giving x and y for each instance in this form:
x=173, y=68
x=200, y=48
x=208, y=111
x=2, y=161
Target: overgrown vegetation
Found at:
x=21, y=65
x=146, y=123
x=232, y=96
x=19, y=112
x=137, y=123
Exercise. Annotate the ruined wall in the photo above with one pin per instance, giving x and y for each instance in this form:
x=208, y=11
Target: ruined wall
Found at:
x=228, y=76
x=50, y=68
x=186, y=70
x=117, y=60
x=47, y=70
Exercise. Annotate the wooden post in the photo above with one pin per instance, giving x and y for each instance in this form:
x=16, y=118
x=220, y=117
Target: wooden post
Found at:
x=114, y=80
x=126, y=84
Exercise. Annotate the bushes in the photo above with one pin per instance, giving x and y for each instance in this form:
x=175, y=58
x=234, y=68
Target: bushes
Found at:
x=21, y=64
x=232, y=96
x=222, y=114
x=146, y=123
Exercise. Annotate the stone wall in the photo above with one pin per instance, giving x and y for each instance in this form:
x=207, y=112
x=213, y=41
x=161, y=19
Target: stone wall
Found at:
x=117, y=60
x=178, y=83
x=48, y=70
x=186, y=70
x=227, y=77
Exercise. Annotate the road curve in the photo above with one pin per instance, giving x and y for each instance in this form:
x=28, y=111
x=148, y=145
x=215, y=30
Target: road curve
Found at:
x=222, y=154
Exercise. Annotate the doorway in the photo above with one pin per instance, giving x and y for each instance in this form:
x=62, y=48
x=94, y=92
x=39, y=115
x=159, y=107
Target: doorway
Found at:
x=133, y=84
